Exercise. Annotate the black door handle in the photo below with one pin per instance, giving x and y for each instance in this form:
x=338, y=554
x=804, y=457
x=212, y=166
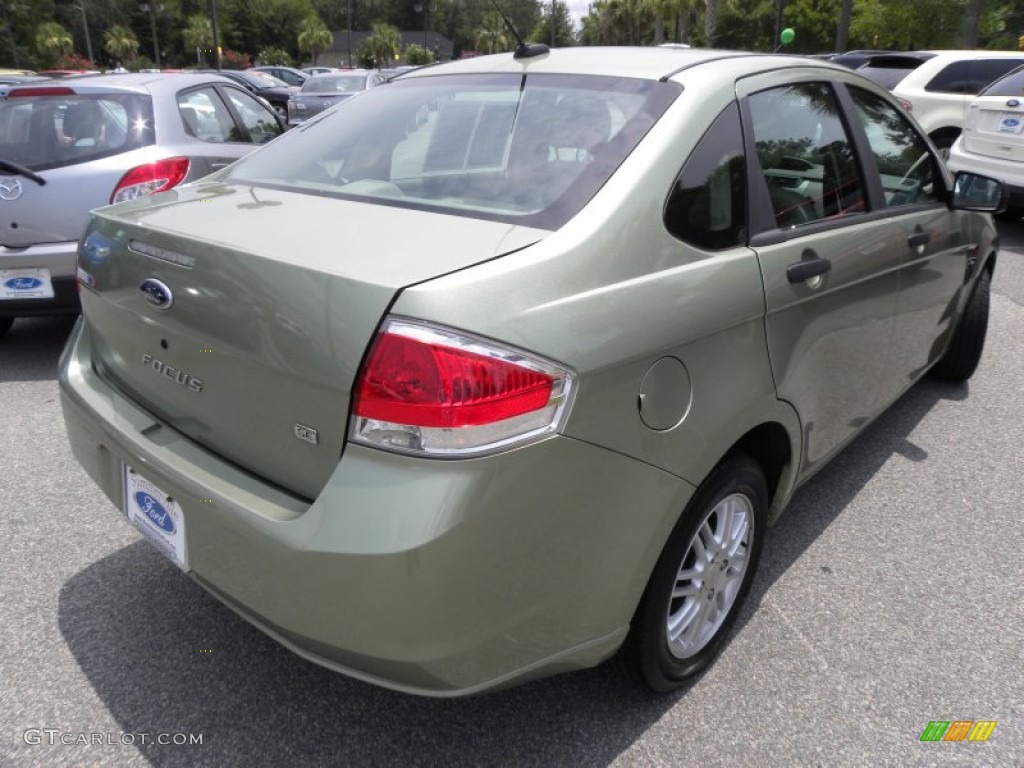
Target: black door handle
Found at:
x=805, y=270
x=918, y=239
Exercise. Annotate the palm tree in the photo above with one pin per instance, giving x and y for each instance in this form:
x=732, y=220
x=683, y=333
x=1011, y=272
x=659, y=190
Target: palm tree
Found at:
x=53, y=40
x=493, y=37
x=198, y=35
x=383, y=44
x=121, y=43
x=314, y=36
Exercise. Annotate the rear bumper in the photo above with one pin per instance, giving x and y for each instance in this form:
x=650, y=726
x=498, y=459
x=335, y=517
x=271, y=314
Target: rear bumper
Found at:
x=441, y=578
x=60, y=259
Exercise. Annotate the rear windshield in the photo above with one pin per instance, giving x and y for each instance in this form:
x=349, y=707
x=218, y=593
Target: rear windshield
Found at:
x=335, y=84
x=529, y=150
x=51, y=131
x=1011, y=85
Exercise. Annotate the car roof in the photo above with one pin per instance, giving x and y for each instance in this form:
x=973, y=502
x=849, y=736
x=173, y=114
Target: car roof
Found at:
x=139, y=82
x=941, y=58
x=650, y=63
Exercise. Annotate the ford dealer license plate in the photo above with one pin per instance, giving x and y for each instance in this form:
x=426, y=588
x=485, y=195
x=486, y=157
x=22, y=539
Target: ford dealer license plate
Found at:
x=25, y=284
x=157, y=516
x=1011, y=122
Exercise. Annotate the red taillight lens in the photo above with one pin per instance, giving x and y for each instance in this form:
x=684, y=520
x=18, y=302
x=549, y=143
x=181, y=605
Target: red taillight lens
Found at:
x=428, y=385
x=905, y=104
x=432, y=391
x=151, y=178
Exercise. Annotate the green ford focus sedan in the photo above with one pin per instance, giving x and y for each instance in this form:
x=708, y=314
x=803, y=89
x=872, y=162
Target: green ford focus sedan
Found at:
x=504, y=367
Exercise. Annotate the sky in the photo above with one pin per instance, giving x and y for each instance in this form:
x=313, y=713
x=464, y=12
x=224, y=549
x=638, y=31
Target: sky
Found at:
x=578, y=9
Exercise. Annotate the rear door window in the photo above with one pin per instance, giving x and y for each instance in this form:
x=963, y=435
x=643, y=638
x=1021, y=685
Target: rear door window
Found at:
x=260, y=123
x=206, y=117
x=57, y=128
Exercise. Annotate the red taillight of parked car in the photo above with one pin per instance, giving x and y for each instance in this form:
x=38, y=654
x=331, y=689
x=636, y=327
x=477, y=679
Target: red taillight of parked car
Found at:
x=431, y=391
x=150, y=178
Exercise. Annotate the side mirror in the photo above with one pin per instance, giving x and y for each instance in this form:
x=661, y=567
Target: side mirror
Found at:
x=972, y=192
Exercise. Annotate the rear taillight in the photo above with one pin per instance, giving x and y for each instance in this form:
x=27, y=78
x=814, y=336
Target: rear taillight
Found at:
x=150, y=178
x=431, y=391
x=906, y=104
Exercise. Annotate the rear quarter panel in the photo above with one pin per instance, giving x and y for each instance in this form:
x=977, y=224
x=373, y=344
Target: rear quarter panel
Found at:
x=612, y=292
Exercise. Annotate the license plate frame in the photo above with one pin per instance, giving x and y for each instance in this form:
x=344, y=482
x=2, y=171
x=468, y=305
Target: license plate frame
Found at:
x=156, y=515
x=1011, y=122
x=26, y=283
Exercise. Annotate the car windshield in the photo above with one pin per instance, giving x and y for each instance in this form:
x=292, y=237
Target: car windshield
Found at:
x=335, y=84
x=530, y=149
x=55, y=127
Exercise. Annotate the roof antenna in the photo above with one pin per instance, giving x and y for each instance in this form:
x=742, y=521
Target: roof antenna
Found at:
x=523, y=50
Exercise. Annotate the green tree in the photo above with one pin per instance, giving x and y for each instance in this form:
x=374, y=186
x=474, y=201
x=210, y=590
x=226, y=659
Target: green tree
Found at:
x=252, y=25
x=493, y=36
x=383, y=45
x=880, y=24
x=314, y=37
x=559, y=35
x=816, y=25
x=274, y=55
x=121, y=43
x=197, y=35
x=53, y=41
x=416, y=55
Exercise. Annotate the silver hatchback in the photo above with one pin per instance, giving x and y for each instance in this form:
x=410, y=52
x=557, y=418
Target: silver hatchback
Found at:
x=67, y=147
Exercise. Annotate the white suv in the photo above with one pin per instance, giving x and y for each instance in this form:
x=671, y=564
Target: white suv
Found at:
x=939, y=91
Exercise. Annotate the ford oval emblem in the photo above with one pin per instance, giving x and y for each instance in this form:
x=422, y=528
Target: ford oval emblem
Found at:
x=155, y=512
x=1013, y=103
x=23, y=283
x=156, y=293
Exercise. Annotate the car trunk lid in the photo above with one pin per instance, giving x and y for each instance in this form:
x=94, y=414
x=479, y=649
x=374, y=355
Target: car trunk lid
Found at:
x=271, y=298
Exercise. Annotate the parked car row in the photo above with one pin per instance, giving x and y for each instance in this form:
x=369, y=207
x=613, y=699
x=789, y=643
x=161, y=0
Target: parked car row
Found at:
x=969, y=103
x=69, y=146
x=936, y=87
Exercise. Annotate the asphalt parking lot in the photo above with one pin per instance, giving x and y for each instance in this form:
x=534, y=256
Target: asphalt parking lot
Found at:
x=889, y=596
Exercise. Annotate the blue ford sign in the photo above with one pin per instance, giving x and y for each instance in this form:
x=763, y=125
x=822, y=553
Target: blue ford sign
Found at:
x=156, y=293
x=155, y=512
x=23, y=284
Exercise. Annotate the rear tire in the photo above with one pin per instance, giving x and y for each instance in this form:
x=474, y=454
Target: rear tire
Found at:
x=964, y=352
x=701, y=579
x=5, y=324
